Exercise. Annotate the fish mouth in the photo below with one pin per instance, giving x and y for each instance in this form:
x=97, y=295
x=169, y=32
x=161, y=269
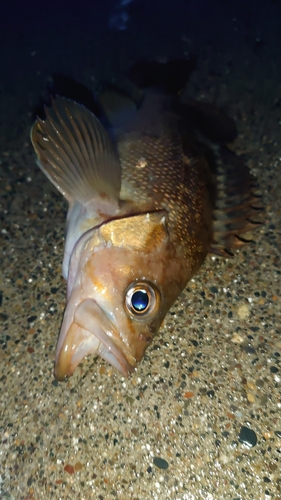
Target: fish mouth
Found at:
x=92, y=332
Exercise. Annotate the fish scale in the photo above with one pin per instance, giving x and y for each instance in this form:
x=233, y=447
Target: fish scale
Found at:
x=144, y=211
x=169, y=179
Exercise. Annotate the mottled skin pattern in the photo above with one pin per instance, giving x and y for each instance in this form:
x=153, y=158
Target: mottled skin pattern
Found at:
x=161, y=169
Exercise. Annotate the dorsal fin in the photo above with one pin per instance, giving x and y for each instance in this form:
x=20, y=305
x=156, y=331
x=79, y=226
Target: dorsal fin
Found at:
x=237, y=207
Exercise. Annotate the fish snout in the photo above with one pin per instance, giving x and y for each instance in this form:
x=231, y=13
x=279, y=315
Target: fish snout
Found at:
x=92, y=332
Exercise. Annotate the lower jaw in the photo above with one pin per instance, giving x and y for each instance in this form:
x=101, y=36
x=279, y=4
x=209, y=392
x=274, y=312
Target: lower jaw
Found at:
x=80, y=343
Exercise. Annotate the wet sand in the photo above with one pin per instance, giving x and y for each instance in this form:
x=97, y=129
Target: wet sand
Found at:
x=200, y=417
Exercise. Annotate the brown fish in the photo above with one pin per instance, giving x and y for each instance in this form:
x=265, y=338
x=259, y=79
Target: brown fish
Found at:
x=140, y=219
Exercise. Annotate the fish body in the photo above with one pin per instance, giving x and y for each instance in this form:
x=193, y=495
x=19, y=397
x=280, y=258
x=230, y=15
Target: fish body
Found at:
x=139, y=223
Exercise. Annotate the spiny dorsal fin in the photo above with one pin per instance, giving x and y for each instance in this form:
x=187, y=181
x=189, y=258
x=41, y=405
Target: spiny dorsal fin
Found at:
x=237, y=207
x=75, y=152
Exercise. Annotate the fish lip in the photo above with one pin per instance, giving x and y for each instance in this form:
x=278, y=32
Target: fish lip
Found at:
x=92, y=328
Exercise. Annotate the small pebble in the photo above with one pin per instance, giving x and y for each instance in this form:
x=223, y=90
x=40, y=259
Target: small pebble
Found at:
x=160, y=463
x=251, y=398
x=188, y=394
x=260, y=383
x=252, y=386
x=263, y=400
x=237, y=339
x=69, y=468
x=208, y=303
x=247, y=436
x=249, y=349
x=32, y=318
x=194, y=342
x=268, y=435
x=243, y=311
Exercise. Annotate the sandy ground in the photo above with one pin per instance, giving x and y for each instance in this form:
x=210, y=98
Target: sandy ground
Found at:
x=200, y=417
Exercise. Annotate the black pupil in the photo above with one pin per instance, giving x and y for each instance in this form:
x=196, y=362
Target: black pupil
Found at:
x=140, y=300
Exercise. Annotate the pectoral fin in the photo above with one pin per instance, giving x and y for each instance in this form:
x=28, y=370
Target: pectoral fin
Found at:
x=76, y=153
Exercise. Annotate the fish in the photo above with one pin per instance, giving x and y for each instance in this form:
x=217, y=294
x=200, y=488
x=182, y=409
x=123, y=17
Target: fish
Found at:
x=145, y=207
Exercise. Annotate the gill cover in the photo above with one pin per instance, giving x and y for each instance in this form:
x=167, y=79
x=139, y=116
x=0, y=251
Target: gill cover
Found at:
x=91, y=325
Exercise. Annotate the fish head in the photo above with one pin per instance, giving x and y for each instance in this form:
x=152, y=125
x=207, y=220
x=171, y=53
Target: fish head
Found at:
x=123, y=278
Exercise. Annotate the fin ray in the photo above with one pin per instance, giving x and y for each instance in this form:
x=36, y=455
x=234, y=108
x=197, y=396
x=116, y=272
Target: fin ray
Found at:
x=76, y=153
x=235, y=211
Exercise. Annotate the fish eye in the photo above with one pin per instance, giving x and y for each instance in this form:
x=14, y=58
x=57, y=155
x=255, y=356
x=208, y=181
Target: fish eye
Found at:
x=141, y=299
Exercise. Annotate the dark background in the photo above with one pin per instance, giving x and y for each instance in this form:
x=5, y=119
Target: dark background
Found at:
x=38, y=38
